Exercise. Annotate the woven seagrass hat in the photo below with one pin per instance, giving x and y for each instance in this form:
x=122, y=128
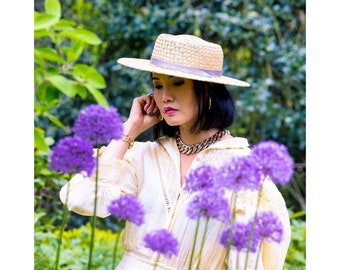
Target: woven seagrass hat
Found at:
x=185, y=56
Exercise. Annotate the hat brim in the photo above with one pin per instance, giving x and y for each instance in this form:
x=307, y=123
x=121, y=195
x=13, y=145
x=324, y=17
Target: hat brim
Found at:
x=145, y=65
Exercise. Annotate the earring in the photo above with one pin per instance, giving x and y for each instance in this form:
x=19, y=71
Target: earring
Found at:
x=161, y=117
x=209, y=107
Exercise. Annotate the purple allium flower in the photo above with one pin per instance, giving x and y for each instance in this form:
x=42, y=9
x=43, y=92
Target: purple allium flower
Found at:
x=209, y=203
x=268, y=226
x=72, y=155
x=241, y=234
x=274, y=161
x=99, y=125
x=162, y=241
x=200, y=178
x=241, y=173
x=127, y=207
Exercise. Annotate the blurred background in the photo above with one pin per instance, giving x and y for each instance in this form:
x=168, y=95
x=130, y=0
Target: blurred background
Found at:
x=77, y=45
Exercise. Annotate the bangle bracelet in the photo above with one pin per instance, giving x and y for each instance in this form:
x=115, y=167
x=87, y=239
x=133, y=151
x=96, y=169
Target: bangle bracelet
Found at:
x=128, y=139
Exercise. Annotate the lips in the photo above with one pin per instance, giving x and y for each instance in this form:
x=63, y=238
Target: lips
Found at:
x=169, y=110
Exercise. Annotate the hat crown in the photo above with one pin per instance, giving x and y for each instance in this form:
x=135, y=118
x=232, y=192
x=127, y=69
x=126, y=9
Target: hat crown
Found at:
x=189, y=51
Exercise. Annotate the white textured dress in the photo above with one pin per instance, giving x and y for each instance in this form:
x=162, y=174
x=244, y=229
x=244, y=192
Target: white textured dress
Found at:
x=151, y=171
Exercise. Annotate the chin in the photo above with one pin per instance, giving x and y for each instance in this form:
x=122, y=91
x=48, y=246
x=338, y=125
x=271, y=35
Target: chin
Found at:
x=172, y=123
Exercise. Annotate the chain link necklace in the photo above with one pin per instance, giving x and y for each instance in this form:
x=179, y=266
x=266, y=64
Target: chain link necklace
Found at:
x=198, y=147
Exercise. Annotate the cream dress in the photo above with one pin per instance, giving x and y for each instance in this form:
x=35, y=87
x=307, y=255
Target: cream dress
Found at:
x=151, y=171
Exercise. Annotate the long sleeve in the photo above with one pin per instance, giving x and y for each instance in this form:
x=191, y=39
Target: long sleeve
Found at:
x=79, y=193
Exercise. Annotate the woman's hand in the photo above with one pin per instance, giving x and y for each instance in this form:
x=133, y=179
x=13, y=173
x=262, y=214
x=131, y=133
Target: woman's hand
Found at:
x=144, y=114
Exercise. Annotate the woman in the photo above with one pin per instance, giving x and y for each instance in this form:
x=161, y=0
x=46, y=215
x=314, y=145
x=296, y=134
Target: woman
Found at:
x=190, y=109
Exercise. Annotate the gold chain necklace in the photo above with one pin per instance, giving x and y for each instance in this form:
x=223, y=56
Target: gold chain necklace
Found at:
x=198, y=147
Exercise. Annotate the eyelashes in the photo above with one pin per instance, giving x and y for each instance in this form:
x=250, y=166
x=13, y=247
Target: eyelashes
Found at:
x=176, y=84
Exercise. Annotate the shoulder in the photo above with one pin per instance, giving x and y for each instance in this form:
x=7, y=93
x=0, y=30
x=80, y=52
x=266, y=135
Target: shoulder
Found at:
x=232, y=144
x=271, y=197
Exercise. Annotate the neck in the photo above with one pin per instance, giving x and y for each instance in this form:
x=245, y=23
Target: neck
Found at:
x=198, y=147
x=193, y=138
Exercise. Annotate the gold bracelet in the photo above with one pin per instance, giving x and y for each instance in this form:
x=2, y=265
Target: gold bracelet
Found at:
x=128, y=139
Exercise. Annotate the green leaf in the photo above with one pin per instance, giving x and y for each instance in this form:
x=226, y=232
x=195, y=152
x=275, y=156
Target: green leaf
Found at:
x=47, y=94
x=82, y=35
x=53, y=7
x=63, y=24
x=63, y=84
x=43, y=20
x=40, y=33
x=39, y=141
x=55, y=120
x=98, y=96
x=81, y=90
x=94, y=78
x=73, y=53
x=39, y=74
x=48, y=54
x=53, y=70
x=90, y=75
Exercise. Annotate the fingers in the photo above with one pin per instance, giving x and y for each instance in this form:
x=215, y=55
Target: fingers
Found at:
x=150, y=106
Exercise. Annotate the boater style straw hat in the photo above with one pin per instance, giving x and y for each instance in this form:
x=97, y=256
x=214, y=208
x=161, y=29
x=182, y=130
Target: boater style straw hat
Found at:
x=185, y=56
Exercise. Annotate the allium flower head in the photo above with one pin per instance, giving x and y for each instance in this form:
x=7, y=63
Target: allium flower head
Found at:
x=72, y=155
x=241, y=233
x=209, y=203
x=202, y=177
x=99, y=125
x=162, y=241
x=127, y=207
x=274, y=161
x=268, y=226
x=241, y=173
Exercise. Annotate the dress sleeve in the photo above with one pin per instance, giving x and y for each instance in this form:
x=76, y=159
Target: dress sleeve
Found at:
x=79, y=193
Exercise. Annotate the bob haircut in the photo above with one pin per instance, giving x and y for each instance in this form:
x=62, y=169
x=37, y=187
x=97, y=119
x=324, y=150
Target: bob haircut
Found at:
x=220, y=115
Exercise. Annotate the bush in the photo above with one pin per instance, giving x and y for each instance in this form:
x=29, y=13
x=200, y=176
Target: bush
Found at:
x=75, y=249
x=296, y=256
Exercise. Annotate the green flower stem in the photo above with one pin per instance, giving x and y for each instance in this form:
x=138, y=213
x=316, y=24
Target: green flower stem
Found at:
x=257, y=257
x=94, y=216
x=115, y=249
x=203, y=241
x=155, y=265
x=231, y=230
x=194, y=244
x=252, y=227
x=62, y=226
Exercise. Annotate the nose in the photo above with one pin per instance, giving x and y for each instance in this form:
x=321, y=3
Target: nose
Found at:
x=167, y=96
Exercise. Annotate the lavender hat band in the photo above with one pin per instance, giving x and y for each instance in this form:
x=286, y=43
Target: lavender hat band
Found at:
x=196, y=71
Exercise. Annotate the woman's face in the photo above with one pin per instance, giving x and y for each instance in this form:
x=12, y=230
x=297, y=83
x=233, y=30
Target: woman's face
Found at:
x=175, y=99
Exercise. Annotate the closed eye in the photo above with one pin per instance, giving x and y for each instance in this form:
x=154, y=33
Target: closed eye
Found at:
x=158, y=86
x=178, y=83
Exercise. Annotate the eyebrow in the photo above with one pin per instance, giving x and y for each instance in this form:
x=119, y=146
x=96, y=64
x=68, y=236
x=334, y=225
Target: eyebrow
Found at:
x=155, y=78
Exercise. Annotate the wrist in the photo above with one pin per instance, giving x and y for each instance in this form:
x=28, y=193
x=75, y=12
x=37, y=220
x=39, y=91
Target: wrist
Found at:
x=131, y=130
x=129, y=140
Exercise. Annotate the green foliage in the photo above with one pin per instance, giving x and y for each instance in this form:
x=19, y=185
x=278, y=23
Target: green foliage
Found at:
x=76, y=242
x=59, y=44
x=296, y=256
x=75, y=248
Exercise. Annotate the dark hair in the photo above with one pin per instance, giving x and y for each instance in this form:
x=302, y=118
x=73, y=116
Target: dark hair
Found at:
x=220, y=115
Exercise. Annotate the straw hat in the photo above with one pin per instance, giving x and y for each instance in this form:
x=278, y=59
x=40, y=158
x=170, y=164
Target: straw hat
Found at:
x=185, y=56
